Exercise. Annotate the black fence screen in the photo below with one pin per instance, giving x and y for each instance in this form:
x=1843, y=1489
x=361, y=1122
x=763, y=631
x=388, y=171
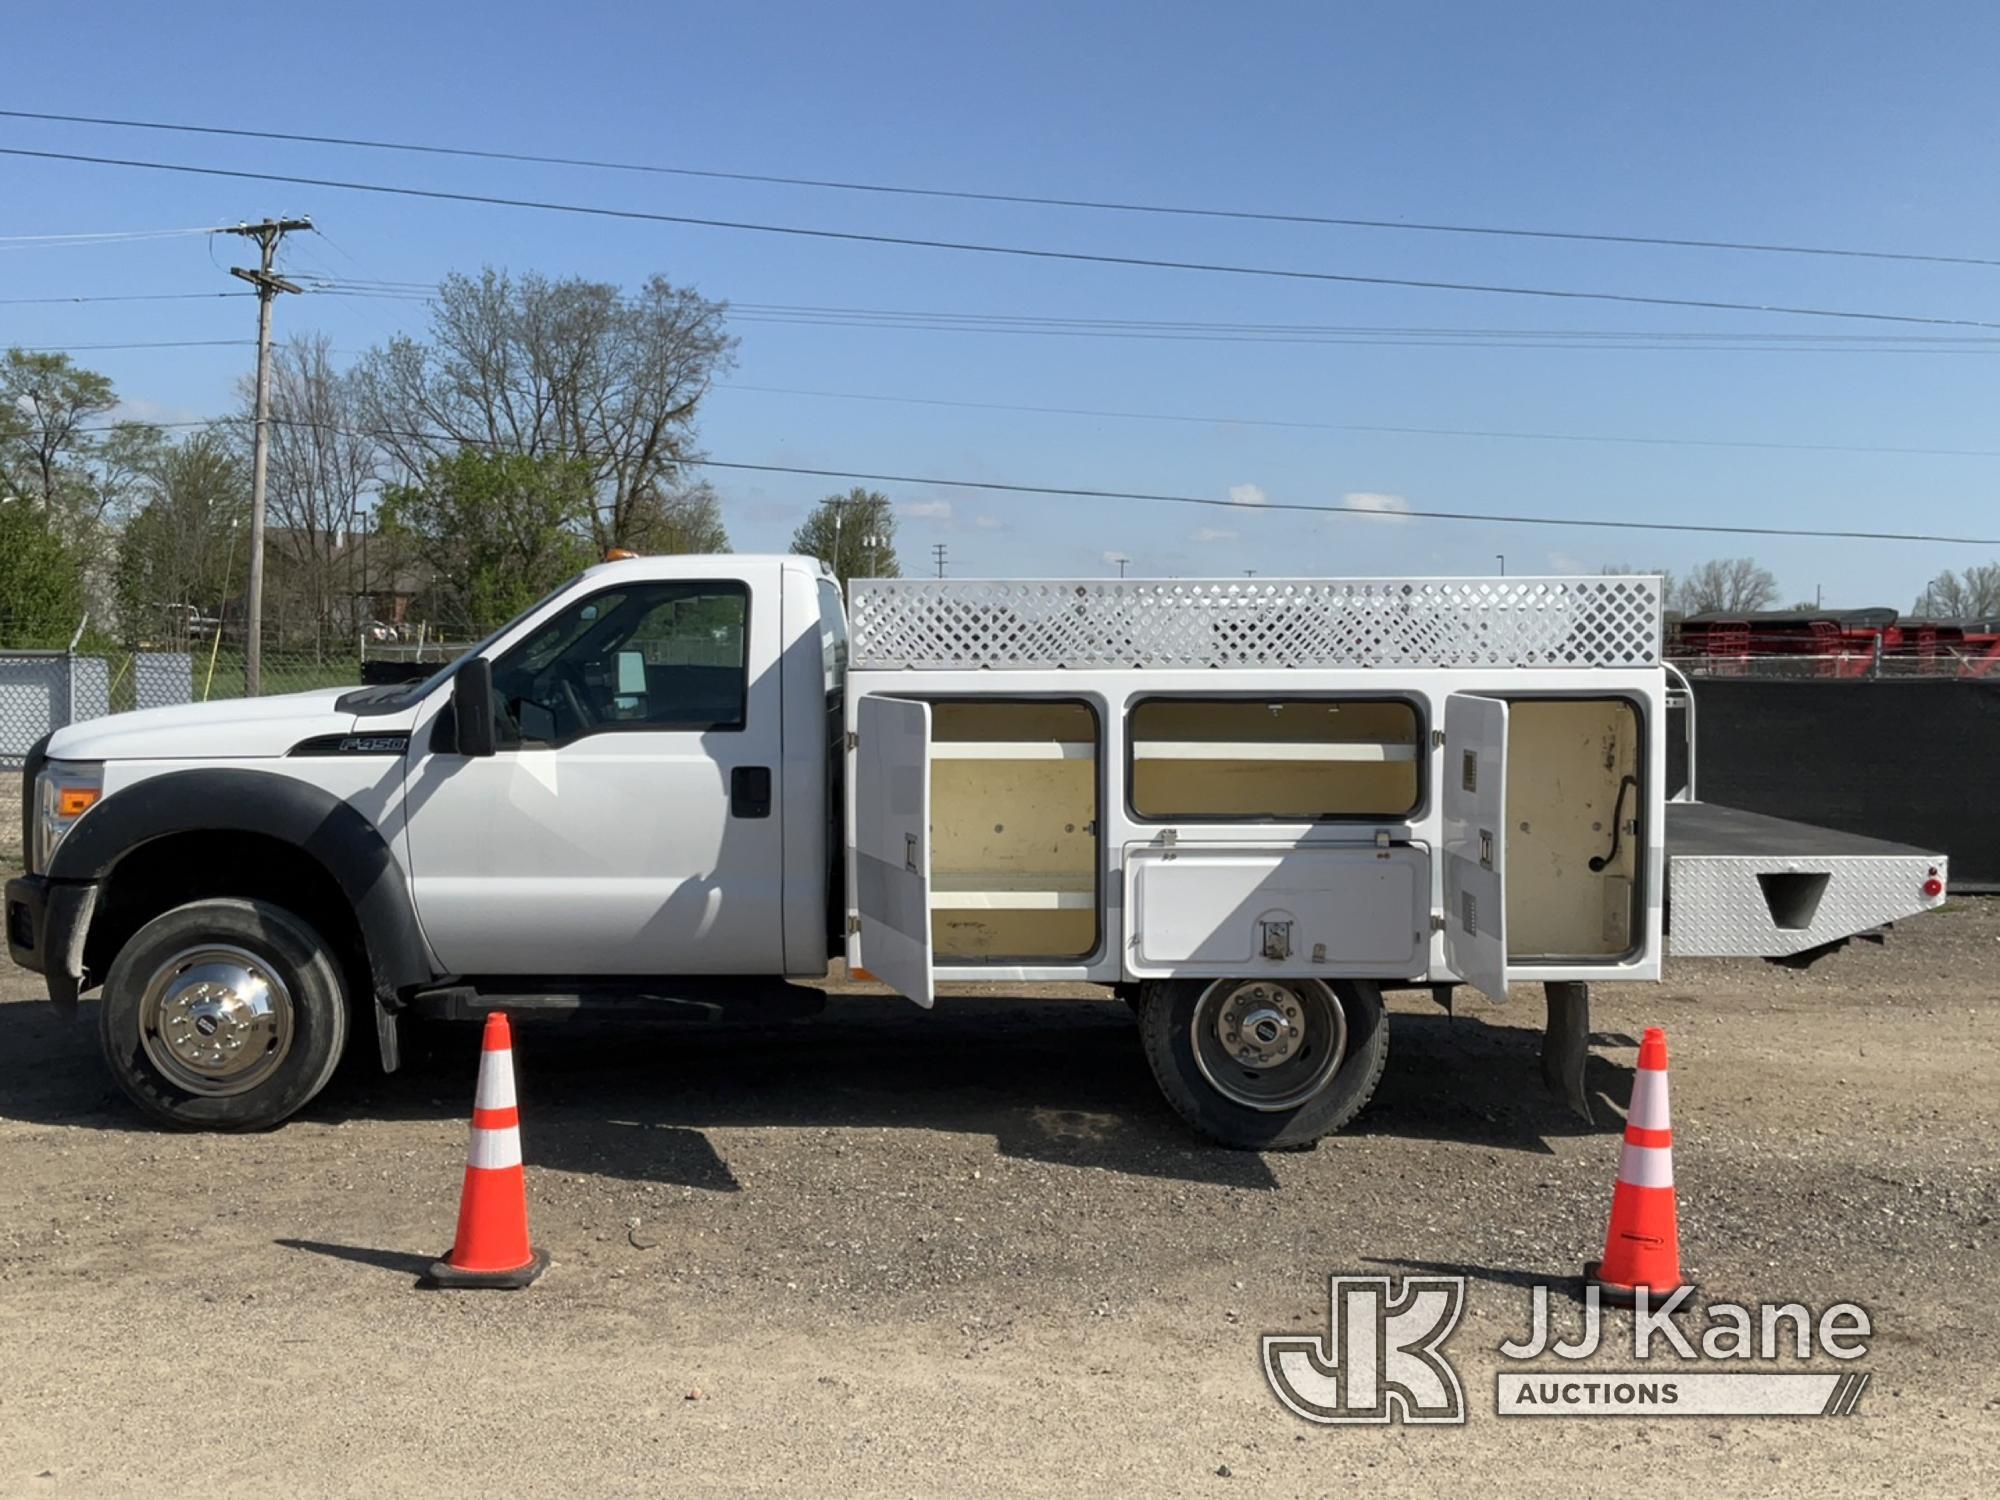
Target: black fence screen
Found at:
x=1913, y=760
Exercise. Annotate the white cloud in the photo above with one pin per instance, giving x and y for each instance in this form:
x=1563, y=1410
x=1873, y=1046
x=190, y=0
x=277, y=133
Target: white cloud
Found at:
x=927, y=510
x=989, y=523
x=1568, y=562
x=1213, y=534
x=135, y=410
x=1115, y=558
x=1247, y=494
x=1388, y=508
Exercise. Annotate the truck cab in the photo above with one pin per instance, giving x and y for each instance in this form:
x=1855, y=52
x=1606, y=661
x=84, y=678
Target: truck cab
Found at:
x=675, y=782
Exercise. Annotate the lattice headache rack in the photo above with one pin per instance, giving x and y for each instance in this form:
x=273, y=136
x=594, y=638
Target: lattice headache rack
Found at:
x=1261, y=622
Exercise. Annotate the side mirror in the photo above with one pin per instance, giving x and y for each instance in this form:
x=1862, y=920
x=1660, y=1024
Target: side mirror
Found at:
x=472, y=706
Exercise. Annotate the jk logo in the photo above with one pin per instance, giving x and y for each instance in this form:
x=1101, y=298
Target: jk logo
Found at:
x=1382, y=1360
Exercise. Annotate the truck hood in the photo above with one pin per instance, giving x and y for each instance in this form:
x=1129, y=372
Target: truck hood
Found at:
x=231, y=728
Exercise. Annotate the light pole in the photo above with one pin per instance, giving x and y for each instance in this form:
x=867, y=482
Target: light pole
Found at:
x=1503, y=563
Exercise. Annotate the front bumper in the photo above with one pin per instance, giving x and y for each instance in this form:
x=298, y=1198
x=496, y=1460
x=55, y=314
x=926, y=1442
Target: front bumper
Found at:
x=27, y=921
x=47, y=923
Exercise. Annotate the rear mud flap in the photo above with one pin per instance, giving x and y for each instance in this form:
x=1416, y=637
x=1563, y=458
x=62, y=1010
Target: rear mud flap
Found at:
x=1566, y=1043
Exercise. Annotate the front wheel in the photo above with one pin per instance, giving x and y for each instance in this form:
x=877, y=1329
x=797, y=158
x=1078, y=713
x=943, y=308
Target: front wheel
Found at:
x=1265, y=1064
x=223, y=1015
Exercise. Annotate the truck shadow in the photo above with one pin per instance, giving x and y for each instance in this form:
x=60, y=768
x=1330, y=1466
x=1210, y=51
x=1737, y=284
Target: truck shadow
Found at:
x=1060, y=1082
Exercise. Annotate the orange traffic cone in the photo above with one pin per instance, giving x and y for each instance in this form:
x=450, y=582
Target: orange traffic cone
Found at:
x=492, y=1247
x=1642, y=1247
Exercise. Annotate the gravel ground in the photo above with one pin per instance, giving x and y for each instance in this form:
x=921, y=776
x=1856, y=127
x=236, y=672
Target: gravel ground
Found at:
x=884, y=1251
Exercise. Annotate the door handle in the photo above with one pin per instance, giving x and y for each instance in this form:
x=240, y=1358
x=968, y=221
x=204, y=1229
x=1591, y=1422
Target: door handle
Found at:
x=750, y=791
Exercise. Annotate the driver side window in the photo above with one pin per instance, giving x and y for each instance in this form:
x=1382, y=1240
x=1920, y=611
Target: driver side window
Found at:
x=643, y=656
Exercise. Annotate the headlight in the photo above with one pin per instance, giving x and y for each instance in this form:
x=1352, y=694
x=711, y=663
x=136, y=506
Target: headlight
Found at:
x=64, y=792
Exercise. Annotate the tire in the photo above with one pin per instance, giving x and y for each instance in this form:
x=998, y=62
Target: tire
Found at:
x=223, y=1015
x=1337, y=1057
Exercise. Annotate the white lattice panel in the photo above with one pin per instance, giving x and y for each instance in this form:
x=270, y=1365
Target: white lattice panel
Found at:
x=1260, y=622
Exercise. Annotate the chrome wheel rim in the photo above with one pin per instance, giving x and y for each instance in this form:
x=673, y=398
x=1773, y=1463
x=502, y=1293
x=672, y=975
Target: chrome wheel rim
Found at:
x=1268, y=1044
x=215, y=1020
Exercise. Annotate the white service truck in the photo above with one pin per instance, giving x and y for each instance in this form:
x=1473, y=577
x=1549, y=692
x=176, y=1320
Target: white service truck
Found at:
x=676, y=785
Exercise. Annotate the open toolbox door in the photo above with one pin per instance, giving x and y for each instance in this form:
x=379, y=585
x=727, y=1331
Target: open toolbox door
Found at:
x=1475, y=834
x=892, y=832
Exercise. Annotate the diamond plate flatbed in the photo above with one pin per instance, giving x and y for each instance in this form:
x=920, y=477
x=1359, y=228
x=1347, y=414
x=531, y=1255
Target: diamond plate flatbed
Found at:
x=1743, y=885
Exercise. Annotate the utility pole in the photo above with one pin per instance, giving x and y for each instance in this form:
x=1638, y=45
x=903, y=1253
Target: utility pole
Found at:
x=267, y=235
x=937, y=551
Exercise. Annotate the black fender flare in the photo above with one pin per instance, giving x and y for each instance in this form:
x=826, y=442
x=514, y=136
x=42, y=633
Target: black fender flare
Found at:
x=329, y=831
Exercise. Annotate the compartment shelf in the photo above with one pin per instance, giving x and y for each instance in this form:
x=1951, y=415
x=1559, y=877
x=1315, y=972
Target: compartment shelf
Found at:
x=1298, y=752
x=992, y=890
x=1013, y=750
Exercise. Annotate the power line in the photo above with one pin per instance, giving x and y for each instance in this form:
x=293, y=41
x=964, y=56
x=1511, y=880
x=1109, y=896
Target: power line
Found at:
x=121, y=297
x=154, y=344
x=1359, y=335
x=1067, y=492
x=1454, y=432
x=1163, y=498
x=1367, y=334
x=1014, y=251
x=106, y=237
x=1488, y=433
x=1028, y=199
x=1399, y=335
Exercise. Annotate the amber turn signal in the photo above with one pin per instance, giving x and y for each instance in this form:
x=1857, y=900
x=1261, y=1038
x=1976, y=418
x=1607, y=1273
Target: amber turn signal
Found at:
x=75, y=801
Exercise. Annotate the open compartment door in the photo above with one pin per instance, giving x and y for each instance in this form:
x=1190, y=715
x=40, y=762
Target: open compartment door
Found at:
x=1475, y=833
x=892, y=834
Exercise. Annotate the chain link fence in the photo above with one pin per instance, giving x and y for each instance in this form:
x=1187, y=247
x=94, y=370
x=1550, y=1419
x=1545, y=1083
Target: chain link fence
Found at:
x=45, y=686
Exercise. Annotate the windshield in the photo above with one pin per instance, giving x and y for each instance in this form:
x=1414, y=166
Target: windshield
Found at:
x=397, y=696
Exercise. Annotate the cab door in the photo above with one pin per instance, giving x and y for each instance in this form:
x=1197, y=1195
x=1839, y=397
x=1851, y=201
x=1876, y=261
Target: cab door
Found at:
x=631, y=822
x=1474, y=806
x=890, y=771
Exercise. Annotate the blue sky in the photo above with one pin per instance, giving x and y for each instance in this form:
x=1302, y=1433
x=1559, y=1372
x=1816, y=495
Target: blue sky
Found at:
x=1846, y=125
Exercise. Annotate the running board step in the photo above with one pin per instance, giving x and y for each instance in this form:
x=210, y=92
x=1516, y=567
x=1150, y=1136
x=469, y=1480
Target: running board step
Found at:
x=690, y=1004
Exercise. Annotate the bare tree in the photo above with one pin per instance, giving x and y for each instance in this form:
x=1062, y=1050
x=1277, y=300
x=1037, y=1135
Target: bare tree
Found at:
x=562, y=369
x=1732, y=585
x=323, y=464
x=1973, y=594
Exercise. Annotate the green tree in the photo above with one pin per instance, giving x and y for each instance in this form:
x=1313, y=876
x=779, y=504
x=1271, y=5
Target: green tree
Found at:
x=57, y=461
x=854, y=534
x=497, y=530
x=41, y=583
x=186, y=553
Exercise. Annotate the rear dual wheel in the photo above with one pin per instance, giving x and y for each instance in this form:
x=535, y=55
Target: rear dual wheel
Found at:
x=1265, y=1064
